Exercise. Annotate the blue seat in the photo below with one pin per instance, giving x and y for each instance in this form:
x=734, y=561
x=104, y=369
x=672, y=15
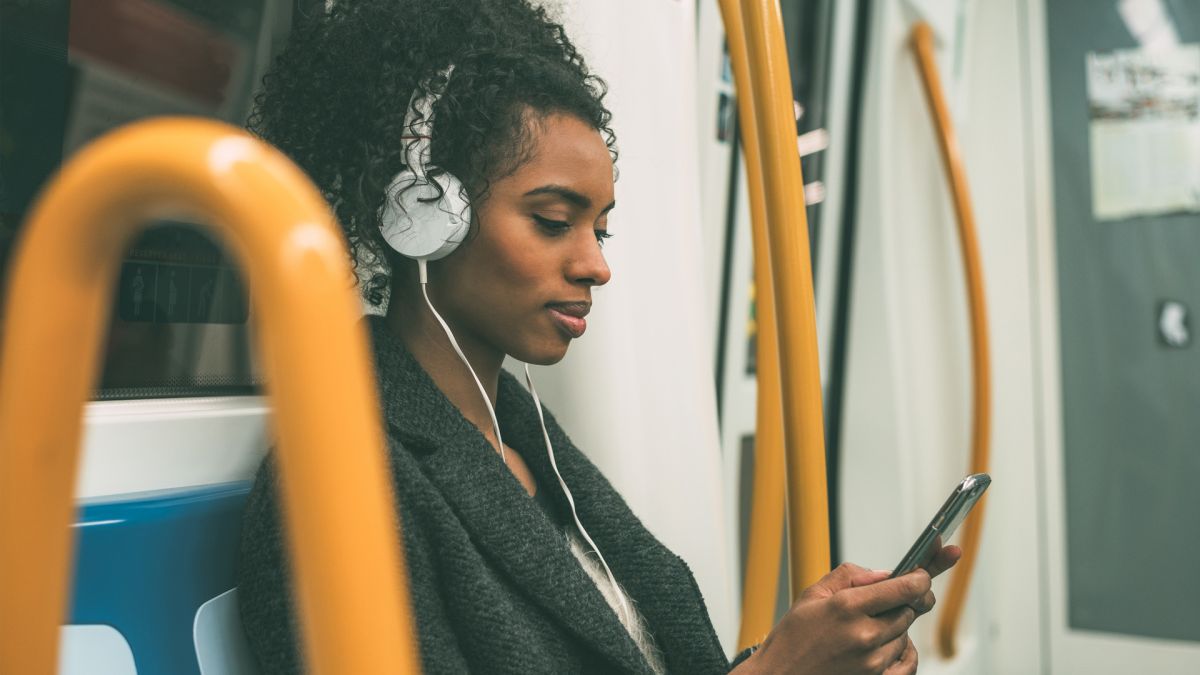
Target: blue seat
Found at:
x=145, y=565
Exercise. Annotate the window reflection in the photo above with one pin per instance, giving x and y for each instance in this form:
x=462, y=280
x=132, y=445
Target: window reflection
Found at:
x=75, y=69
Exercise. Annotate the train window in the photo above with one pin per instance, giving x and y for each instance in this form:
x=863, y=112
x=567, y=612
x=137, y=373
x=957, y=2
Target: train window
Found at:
x=75, y=69
x=180, y=320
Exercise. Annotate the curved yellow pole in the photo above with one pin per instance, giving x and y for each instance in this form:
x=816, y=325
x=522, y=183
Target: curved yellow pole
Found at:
x=791, y=268
x=760, y=580
x=335, y=483
x=960, y=579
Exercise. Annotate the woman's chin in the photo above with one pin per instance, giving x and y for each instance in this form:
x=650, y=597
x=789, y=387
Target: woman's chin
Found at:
x=543, y=354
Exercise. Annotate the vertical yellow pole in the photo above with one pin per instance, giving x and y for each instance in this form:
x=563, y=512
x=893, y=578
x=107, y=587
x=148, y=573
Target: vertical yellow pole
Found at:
x=956, y=173
x=337, y=495
x=808, y=507
x=760, y=580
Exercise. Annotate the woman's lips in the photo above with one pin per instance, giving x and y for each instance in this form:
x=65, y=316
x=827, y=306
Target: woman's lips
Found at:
x=569, y=317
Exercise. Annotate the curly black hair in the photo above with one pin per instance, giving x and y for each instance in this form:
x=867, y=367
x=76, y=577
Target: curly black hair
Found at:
x=336, y=98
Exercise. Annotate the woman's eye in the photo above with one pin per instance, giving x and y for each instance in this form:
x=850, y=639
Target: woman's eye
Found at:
x=601, y=235
x=555, y=226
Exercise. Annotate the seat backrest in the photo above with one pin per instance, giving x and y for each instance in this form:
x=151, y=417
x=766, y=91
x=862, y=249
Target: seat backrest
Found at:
x=221, y=647
x=158, y=569
x=86, y=650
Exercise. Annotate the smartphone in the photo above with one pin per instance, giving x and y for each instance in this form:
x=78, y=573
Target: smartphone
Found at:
x=948, y=518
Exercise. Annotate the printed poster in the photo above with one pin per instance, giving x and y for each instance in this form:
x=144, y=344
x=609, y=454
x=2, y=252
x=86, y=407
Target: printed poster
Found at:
x=1144, y=109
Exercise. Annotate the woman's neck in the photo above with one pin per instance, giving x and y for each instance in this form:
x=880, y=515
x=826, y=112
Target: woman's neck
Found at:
x=409, y=318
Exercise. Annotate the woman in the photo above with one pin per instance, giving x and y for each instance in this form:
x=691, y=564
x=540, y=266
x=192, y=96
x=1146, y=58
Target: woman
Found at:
x=521, y=556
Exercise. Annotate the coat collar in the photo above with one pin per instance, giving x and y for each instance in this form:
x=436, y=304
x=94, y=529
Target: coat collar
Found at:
x=505, y=523
x=510, y=528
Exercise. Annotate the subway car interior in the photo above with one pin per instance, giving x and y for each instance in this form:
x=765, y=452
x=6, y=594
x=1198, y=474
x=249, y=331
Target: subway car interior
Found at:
x=863, y=248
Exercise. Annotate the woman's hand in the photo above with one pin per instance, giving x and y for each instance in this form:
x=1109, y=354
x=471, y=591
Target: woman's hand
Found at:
x=852, y=621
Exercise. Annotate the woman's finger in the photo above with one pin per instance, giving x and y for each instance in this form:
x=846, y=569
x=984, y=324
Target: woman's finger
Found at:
x=843, y=577
x=883, y=659
x=907, y=663
x=925, y=604
x=945, y=558
x=890, y=594
x=893, y=624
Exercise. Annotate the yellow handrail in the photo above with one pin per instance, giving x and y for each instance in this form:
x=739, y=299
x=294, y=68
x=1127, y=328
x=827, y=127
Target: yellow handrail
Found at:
x=760, y=580
x=791, y=269
x=956, y=173
x=336, y=491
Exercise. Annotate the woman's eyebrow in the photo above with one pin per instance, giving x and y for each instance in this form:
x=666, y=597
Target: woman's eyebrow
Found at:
x=569, y=195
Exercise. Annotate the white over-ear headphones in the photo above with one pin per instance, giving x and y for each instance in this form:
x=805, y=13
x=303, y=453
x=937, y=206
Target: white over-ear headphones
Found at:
x=424, y=217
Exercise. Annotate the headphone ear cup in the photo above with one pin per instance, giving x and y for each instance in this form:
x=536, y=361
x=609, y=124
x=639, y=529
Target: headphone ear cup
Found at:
x=422, y=222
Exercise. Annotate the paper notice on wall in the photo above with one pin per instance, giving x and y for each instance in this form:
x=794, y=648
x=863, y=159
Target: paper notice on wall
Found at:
x=1144, y=108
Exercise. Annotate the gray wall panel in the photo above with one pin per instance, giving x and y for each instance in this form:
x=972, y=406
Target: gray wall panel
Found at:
x=1131, y=405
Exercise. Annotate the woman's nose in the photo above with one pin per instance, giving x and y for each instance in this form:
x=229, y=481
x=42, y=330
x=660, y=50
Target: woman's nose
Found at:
x=587, y=264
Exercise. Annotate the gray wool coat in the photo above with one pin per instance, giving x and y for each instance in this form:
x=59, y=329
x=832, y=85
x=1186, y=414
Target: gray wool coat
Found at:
x=494, y=587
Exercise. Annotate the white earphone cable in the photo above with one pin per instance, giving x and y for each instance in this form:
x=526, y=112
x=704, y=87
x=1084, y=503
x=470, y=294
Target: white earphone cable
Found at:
x=424, y=278
x=421, y=266
x=628, y=618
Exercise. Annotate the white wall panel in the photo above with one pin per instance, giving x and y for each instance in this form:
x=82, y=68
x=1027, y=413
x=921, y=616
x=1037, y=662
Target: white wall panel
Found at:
x=908, y=408
x=636, y=392
x=140, y=446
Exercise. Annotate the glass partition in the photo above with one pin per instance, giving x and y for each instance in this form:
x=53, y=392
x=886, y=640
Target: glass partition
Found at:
x=74, y=69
